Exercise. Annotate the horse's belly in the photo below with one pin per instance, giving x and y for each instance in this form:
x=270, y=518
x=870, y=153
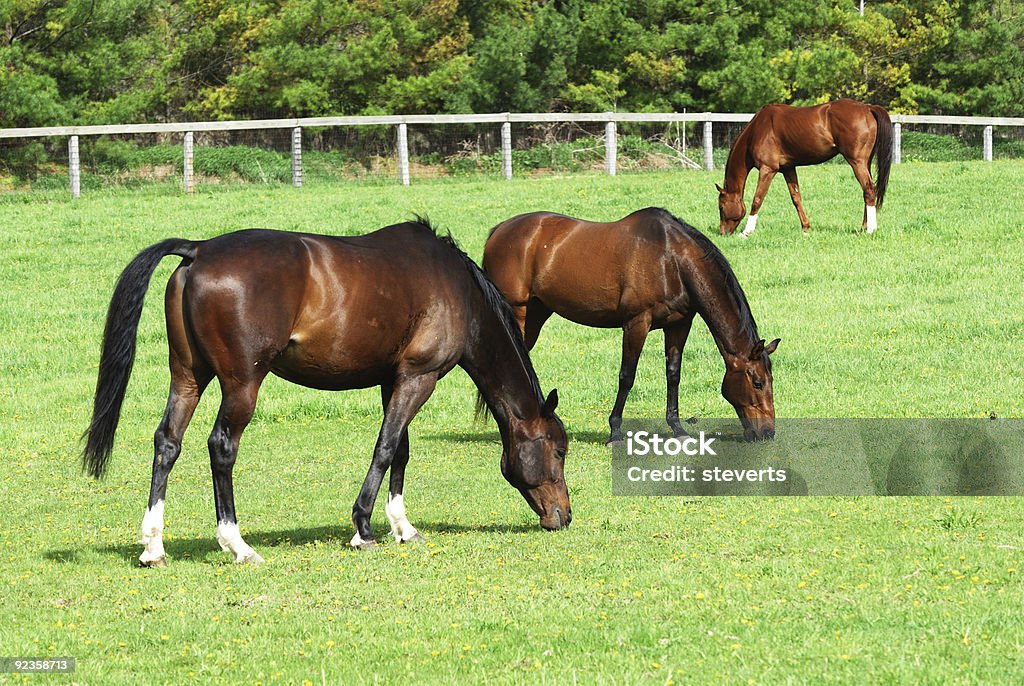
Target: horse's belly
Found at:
x=332, y=374
x=601, y=320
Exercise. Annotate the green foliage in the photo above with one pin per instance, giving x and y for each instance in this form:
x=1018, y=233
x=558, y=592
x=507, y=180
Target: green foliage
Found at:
x=930, y=147
x=114, y=61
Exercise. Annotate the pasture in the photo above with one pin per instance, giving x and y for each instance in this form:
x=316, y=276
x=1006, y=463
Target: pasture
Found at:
x=922, y=319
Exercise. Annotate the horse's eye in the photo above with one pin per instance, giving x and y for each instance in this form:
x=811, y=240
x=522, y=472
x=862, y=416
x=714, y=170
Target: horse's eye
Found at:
x=758, y=384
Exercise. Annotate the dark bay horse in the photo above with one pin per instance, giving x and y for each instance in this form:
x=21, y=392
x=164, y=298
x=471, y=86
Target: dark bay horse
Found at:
x=397, y=308
x=782, y=138
x=647, y=271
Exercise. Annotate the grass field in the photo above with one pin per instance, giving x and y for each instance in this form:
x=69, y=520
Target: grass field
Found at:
x=923, y=319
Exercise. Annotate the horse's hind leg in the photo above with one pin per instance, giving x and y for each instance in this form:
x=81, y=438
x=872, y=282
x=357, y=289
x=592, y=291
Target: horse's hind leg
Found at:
x=863, y=174
x=675, y=339
x=181, y=403
x=634, y=333
x=794, y=192
x=237, y=405
x=189, y=377
x=401, y=528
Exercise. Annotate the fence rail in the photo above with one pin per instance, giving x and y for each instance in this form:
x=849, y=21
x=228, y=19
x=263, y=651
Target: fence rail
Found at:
x=505, y=119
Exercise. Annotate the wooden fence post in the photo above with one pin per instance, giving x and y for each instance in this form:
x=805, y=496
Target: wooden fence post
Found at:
x=610, y=148
x=403, y=154
x=297, y=157
x=986, y=144
x=74, y=167
x=897, y=143
x=187, y=173
x=709, y=162
x=506, y=150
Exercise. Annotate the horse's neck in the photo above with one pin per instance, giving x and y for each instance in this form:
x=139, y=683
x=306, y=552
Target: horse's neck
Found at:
x=500, y=373
x=733, y=334
x=736, y=167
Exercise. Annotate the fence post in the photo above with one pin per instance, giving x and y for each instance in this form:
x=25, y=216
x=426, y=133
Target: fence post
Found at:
x=986, y=143
x=610, y=148
x=297, y=157
x=403, y=154
x=74, y=167
x=506, y=150
x=709, y=162
x=187, y=174
x=897, y=143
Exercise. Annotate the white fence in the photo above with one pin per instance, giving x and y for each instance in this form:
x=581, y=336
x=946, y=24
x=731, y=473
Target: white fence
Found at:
x=505, y=120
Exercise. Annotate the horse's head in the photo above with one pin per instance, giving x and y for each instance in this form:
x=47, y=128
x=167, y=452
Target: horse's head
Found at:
x=535, y=461
x=748, y=386
x=730, y=209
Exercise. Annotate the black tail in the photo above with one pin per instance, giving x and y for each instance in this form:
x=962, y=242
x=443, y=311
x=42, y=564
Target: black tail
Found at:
x=883, y=148
x=118, y=353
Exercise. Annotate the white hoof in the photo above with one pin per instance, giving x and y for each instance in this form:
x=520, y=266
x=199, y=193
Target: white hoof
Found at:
x=249, y=558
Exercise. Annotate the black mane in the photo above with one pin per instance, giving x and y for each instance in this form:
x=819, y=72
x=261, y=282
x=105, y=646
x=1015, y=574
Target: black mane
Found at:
x=714, y=255
x=493, y=299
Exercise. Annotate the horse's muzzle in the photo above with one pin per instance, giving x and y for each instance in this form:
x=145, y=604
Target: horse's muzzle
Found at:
x=556, y=519
x=764, y=434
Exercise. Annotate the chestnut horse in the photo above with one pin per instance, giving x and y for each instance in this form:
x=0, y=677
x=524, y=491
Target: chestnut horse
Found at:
x=647, y=271
x=782, y=138
x=397, y=308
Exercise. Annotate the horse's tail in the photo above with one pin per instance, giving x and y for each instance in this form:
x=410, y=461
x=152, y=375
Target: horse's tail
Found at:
x=883, y=148
x=118, y=350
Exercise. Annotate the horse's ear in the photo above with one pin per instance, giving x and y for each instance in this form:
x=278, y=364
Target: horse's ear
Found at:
x=720, y=189
x=757, y=350
x=770, y=348
x=550, y=404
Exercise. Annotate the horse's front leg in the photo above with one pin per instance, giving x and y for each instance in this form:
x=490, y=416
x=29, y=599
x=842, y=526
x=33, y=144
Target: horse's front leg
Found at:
x=401, y=528
x=634, y=333
x=675, y=340
x=794, y=192
x=407, y=397
x=764, y=179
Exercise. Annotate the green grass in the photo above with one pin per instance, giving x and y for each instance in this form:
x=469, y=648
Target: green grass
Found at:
x=922, y=319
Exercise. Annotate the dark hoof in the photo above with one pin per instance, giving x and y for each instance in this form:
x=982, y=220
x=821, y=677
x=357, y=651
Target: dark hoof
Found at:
x=417, y=538
x=615, y=442
x=678, y=431
x=157, y=563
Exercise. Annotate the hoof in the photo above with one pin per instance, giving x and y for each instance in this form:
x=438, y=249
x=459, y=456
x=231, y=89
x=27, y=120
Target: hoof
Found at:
x=415, y=538
x=157, y=562
x=615, y=442
x=359, y=543
x=250, y=558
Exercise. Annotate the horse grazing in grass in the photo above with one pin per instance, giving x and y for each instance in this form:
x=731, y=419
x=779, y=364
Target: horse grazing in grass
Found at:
x=397, y=308
x=647, y=271
x=782, y=138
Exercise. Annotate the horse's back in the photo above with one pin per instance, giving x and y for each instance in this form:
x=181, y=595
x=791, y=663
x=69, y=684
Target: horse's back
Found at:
x=592, y=273
x=326, y=311
x=785, y=135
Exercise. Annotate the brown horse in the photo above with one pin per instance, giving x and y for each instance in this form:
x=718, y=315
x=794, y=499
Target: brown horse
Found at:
x=782, y=138
x=647, y=271
x=397, y=308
